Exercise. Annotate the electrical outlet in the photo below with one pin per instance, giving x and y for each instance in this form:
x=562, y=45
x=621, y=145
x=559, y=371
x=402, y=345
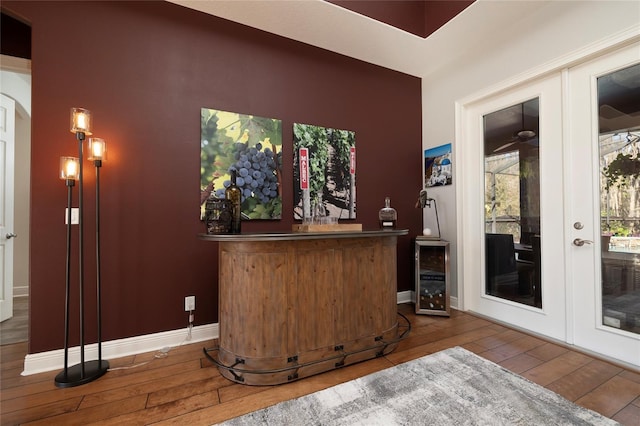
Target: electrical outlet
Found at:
x=75, y=215
x=190, y=303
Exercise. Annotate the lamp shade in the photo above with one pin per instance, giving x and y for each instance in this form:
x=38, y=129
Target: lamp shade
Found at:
x=69, y=168
x=80, y=121
x=97, y=149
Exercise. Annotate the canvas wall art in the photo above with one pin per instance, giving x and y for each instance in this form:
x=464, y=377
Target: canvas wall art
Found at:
x=437, y=166
x=324, y=173
x=253, y=147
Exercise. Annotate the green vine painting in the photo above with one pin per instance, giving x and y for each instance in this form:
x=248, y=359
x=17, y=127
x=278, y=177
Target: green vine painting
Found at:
x=250, y=145
x=324, y=172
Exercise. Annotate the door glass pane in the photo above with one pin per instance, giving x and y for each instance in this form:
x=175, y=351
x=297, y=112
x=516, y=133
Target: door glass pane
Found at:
x=619, y=136
x=512, y=204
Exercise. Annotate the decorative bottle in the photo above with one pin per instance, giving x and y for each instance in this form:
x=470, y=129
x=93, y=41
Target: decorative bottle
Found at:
x=233, y=194
x=387, y=215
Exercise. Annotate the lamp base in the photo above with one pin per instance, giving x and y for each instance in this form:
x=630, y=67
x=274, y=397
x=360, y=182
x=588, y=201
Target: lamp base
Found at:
x=73, y=376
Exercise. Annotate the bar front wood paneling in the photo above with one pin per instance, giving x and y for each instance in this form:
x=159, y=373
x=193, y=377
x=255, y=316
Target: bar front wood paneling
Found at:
x=297, y=304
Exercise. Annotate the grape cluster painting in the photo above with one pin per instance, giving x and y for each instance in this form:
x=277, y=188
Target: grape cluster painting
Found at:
x=324, y=172
x=250, y=145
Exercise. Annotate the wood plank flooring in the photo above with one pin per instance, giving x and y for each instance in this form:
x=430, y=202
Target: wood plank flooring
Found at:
x=185, y=388
x=16, y=328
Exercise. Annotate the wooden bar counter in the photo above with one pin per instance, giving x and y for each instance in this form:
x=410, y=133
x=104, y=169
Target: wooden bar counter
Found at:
x=297, y=304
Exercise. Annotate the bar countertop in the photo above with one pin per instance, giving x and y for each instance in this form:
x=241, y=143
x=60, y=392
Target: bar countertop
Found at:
x=290, y=236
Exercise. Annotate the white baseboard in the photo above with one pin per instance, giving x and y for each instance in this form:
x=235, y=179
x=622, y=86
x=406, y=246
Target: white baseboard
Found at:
x=405, y=296
x=453, y=302
x=20, y=291
x=54, y=360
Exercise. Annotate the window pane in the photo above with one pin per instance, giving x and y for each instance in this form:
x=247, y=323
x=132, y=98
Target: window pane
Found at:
x=512, y=203
x=619, y=143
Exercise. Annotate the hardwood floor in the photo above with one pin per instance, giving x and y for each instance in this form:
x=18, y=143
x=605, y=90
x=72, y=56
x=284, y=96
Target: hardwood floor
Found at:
x=185, y=388
x=15, y=329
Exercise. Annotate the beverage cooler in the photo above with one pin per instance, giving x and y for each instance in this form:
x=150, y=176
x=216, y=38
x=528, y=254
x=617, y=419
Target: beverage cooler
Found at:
x=432, y=276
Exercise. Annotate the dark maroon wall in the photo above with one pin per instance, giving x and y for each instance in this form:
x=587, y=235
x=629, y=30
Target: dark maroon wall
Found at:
x=145, y=69
x=439, y=12
x=418, y=17
x=408, y=15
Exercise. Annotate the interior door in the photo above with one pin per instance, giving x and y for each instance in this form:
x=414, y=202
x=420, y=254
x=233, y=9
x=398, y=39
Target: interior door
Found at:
x=7, y=154
x=604, y=203
x=483, y=229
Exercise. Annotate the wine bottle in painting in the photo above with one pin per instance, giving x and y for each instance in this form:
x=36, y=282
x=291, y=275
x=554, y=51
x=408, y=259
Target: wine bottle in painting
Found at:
x=233, y=194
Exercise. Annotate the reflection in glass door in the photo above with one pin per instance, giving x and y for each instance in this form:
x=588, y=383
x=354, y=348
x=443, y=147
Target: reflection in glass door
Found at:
x=512, y=203
x=619, y=148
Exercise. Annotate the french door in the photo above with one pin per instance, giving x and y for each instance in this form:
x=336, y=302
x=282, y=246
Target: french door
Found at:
x=604, y=204
x=585, y=272
x=515, y=136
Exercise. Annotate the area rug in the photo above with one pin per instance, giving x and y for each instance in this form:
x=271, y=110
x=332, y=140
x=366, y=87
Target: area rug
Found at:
x=452, y=387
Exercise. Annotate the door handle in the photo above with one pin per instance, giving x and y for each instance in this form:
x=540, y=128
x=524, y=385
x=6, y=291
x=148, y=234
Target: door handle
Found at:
x=580, y=242
x=11, y=235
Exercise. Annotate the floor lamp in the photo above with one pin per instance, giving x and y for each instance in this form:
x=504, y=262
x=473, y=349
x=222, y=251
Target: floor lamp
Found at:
x=85, y=371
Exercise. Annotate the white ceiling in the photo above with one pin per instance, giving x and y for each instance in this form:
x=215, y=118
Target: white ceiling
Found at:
x=322, y=24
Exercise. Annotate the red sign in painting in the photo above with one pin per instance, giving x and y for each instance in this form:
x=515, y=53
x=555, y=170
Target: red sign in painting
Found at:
x=352, y=160
x=303, y=155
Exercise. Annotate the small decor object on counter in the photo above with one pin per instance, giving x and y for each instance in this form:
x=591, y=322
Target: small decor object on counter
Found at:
x=326, y=227
x=233, y=194
x=425, y=201
x=388, y=216
x=218, y=213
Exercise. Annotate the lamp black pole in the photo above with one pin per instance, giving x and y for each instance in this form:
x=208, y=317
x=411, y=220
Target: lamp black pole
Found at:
x=84, y=372
x=70, y=183
x=102, y=364
x=80, y=137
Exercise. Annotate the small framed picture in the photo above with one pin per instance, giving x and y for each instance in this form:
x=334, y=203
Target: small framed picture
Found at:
x=437, y=166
